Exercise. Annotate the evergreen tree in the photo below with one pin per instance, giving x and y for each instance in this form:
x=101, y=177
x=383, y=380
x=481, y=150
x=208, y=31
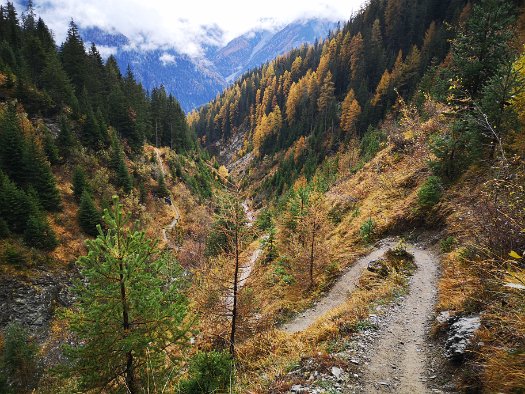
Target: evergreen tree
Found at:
x=79, y=182
x=123, y=179
x=483, y=44
x=65, y=138
x=57, y=84
x=15, y=206
x=39, y=234
x=12, y=146
x=74, y=57
x=130, y=308
x=50, y=148
x=91, y=135
x=88, y=215
x=38, y=174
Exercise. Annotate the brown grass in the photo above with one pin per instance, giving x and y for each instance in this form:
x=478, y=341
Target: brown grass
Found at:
x=268, y=355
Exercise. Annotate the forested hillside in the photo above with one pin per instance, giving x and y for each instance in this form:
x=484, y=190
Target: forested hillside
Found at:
x=51, y=81
x=316, y=98
x=349, y=217
x=62, y=105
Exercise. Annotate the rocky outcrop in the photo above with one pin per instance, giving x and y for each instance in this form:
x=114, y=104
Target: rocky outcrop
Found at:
x=459, y=336
x=32, y=301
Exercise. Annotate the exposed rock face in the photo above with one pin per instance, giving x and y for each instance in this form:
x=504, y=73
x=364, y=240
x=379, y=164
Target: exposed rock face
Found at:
x=32, y=301
x=460, y=337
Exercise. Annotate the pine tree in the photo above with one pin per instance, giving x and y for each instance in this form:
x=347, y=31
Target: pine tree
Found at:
x=91, y=136
x=39, y=234
x=38, y=174
x=123, y=179
x=74, y=58
x=57, y=84
x=66, y=138
x=15, y=206
x=130, y=309
x=79, y=182
x=50, y=148
x=479, y=49
x=88, y=215
x=12, y=146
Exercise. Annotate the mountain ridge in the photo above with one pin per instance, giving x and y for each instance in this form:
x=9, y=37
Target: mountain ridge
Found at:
x=196, y=81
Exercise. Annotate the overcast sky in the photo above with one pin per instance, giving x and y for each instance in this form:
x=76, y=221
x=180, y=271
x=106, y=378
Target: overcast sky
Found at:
x=185, y=25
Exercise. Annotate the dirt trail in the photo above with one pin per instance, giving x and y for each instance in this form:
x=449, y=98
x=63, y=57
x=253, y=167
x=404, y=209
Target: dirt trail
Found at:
x=339, y=292
x=174, y=208
x=398, y=357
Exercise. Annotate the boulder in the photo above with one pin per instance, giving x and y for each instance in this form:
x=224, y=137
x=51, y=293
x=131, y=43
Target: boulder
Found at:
x=460, y=337
x=379, y=267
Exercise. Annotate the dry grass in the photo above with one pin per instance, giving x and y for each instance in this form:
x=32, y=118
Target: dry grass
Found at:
x=270, y=354
x=459, y=285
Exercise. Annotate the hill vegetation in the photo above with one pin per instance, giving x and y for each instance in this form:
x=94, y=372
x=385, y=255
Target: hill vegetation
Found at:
x=407, y=121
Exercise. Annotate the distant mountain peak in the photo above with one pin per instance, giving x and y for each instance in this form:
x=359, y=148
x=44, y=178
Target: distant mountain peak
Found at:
x=196, y=81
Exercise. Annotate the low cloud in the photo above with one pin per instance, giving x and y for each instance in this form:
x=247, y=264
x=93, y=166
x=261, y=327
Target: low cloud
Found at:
x=166, y=59
x=185, y=26
x=106, y=51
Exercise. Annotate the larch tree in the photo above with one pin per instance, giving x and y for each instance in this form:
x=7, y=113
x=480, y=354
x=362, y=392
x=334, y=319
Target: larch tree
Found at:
x=222, y=280
x=314, y=227
x=131, y=314
x=326, y=100
x=350, y=111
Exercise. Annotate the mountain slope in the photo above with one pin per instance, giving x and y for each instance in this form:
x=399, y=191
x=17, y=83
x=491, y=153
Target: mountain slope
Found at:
x=257, y=47
x=197, y=81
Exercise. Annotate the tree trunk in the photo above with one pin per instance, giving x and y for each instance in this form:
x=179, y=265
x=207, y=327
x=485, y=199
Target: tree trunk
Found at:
x=130, y=377
x=235, y=285
x=312, y=257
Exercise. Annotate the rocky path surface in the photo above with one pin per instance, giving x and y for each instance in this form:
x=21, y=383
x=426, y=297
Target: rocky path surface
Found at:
x=339, y=292
x=394, y=355
x=398, y=361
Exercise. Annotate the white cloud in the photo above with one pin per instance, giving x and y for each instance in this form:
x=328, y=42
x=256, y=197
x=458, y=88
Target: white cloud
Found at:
x=185, y=26
x=166, y=59
x=106, y=51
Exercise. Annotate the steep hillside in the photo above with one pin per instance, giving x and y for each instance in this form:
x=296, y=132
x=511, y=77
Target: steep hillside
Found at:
x=316, y=98
x=360, y=230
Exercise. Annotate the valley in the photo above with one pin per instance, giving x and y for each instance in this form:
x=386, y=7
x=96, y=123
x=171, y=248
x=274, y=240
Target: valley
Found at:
x=342, y=211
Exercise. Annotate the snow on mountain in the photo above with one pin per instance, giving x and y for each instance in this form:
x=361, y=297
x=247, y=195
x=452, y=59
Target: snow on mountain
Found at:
x=196, y=81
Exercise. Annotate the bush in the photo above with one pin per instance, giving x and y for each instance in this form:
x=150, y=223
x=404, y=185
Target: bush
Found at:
x=371, y=143
x=430, y=193
x=19, y=358
x=282, y=274
x=447, y=244
x=15, y=255
x=209, y=373
x=367, y=230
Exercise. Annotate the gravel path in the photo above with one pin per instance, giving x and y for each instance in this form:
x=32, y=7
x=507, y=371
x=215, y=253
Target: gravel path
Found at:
x=398, y=358
x=339, y=292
